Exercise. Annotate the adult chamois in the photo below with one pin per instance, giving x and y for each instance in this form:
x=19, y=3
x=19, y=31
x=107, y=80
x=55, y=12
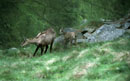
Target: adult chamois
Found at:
x=43, y=39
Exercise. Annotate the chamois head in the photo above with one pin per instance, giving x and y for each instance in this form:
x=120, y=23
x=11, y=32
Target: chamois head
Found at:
x=25, y=42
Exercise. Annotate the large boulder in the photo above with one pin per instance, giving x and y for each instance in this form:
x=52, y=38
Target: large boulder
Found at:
x=105, y=33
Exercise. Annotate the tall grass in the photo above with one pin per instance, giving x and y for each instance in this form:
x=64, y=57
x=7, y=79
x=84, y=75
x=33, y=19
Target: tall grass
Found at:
x=106, y=61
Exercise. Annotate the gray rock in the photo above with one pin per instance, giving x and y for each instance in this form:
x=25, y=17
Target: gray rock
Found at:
x=80, y=40
x=127, y=24
x=79, y=35
x=88, y=30
x=128, y=31
x=59, y=39
x=106, y=33
x=13, y=50
x=117, y=25
x=87, y=35
x=120, y=20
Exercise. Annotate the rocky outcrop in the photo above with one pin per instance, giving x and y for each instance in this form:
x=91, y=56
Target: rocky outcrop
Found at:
x=107, y=32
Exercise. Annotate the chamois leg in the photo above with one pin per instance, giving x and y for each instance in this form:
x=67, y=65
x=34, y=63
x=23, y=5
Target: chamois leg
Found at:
x=51, y=46
x=75, y=42
x=66, y=43
x=70, y=42
x=46, y=48
x=36, y=50
x=42, y=48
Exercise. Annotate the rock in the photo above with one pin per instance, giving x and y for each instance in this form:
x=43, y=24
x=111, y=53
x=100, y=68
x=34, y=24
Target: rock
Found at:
x=80, y=40
x=90, y=30
x=13, y=51
x=128, y=31
x=127, y=24
x=13, y=48
x=117, y=25
x=105, y=33
x=120, y=20
x=59, y=39
x=87, y=35
x=79, y=35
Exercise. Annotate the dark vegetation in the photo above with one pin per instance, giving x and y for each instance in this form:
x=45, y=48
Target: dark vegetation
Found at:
x=25, y=18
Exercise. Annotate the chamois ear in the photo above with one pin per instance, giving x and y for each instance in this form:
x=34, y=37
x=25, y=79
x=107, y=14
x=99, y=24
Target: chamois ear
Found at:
x=24, y=42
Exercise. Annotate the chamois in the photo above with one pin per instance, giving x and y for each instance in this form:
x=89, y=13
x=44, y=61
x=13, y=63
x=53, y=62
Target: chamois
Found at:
x=69, y=37
x=42, y=39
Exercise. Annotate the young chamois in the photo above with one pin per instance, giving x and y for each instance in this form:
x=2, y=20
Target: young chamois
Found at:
x=69, y=37
x=42, y=40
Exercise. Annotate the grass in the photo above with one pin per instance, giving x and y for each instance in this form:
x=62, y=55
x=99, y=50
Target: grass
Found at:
x=105, y=61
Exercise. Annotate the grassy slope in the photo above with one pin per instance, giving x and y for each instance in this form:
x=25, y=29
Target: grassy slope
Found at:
x=108, y=61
